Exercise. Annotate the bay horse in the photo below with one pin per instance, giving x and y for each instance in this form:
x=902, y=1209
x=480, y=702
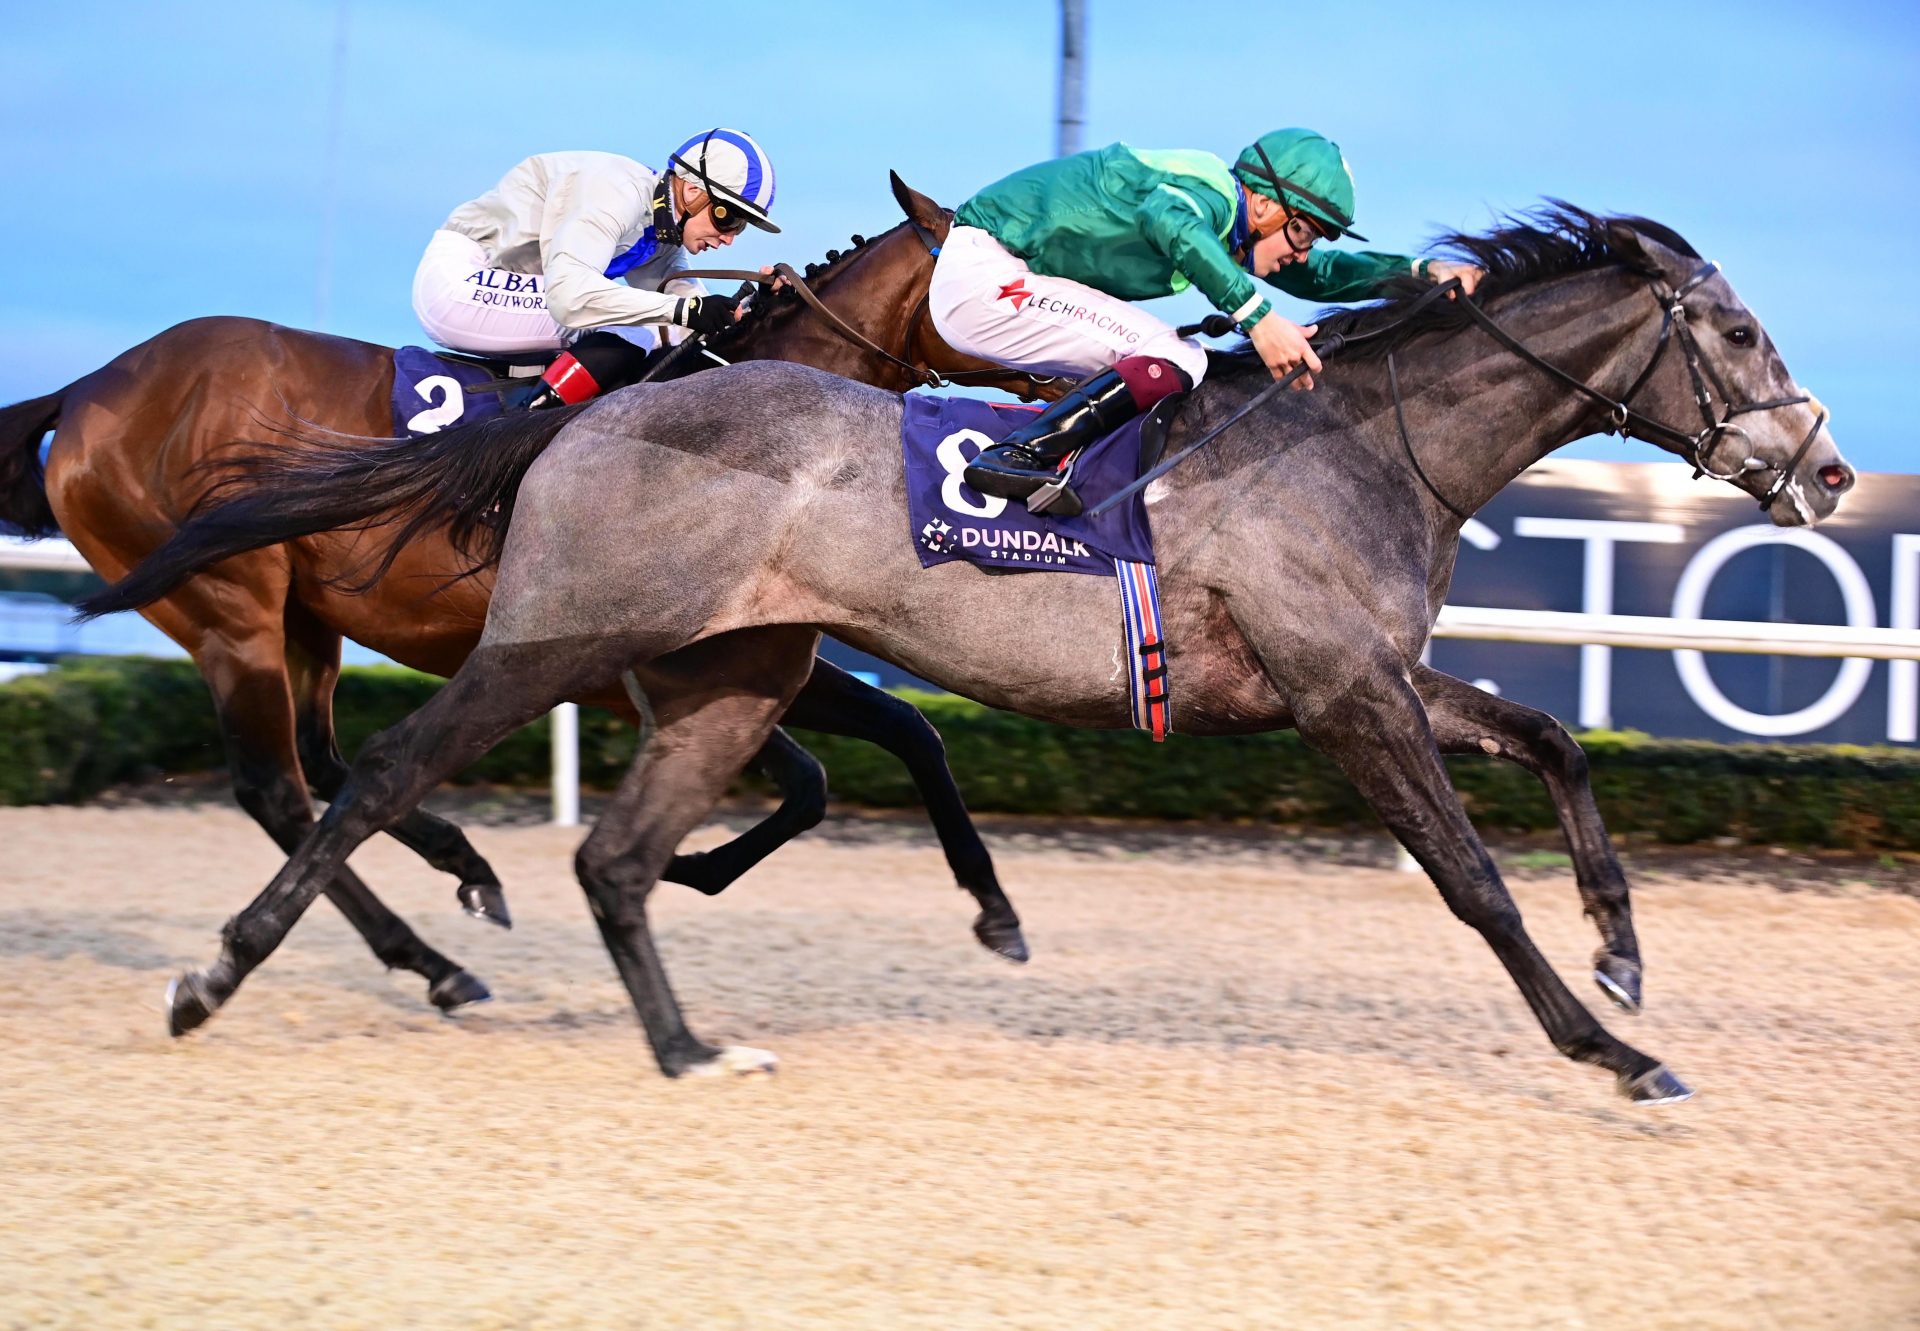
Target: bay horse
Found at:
x=694, y=539
x=129, y=460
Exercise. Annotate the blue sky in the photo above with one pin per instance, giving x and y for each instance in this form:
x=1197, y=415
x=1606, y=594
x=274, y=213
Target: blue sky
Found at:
x=165, y=162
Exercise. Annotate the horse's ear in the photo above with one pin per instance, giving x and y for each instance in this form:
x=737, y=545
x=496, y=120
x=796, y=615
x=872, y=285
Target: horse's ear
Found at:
x=919, y=209
x=1625, y=240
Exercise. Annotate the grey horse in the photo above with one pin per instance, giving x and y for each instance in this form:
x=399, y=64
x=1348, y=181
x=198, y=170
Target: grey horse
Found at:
x=696, y=538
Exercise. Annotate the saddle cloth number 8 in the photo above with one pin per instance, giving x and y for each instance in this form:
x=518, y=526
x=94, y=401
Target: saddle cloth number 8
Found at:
x=954, y=492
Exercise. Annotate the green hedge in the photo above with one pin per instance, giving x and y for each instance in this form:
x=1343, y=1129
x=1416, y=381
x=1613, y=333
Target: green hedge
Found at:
x=72, y=731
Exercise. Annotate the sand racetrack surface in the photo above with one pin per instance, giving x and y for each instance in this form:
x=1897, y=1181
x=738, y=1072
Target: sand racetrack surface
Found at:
x=1246, y=1082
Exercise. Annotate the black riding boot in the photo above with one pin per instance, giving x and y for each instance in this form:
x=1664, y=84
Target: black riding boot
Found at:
x=598, y=363
x=1030, y=457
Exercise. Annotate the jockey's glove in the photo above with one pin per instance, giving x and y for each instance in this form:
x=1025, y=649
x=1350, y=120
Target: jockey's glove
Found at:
x=705, y=314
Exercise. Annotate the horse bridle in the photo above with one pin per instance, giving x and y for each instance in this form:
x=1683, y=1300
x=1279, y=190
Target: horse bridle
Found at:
x=1622, y=419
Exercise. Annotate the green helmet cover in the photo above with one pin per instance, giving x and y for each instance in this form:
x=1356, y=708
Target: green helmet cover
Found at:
x=1313, y=175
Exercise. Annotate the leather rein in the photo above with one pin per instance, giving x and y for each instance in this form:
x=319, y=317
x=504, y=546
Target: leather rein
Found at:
x=1323, y=347
x=1621, y=417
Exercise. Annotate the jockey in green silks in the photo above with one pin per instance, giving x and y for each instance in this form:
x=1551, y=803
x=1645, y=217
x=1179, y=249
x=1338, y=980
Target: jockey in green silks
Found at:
x=1040, y=267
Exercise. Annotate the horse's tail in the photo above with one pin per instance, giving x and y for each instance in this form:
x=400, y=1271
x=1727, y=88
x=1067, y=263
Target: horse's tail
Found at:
x=23, y=485
x=462, y=479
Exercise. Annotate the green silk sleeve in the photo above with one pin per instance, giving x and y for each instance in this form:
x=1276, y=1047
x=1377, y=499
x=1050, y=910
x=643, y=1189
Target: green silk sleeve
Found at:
x=1336, y=275
x=1176, y=222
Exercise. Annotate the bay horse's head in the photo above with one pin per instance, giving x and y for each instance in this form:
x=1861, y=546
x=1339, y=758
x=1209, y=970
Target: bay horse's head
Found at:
x=1718, y=385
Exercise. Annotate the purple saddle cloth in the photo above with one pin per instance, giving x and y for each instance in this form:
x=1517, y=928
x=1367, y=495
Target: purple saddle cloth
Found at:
x=433, y=392
x=952, y=520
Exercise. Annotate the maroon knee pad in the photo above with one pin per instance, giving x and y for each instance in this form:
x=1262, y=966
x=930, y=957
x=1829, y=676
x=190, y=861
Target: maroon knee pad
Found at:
x=1150, y=378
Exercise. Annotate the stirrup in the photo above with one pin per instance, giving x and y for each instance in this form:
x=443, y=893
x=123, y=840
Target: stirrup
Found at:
x=1057, y=498
x=535, y=396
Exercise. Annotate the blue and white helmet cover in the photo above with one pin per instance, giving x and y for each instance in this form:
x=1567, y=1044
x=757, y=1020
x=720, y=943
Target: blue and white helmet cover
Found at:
x=733, y=165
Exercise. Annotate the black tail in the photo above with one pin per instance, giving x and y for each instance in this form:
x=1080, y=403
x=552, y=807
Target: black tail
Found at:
x=463, y=480
x=23, y=487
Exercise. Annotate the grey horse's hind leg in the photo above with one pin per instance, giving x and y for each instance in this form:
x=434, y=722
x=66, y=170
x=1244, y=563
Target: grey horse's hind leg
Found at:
x=1378, y=732
x=1470, y=720
x=803, y=785
x=707, y=732
x=834, y=702
x=498, y=690
x=314, y=664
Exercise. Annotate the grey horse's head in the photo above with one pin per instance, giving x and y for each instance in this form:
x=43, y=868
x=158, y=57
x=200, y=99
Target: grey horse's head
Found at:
x=1787, y=449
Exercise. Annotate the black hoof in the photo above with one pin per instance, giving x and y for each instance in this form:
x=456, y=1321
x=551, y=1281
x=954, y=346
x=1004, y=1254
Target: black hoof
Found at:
x=188, y=1004
x=1619, y=980
x=691, y=871
x=457, y=991
x=1002, y=937
x=485, y=901
x=1656, y=1087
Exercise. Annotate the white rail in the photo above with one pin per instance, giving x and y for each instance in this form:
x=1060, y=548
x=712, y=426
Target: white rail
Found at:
x=1697, y=635
x=17, y=552
x=1483, y=623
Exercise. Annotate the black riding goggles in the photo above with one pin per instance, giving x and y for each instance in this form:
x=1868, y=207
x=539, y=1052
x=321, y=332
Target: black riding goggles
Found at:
x=727, y=220
x=1303, y=232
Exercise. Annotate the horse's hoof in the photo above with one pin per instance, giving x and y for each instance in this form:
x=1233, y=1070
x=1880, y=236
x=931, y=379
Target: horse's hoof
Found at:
x=188, y=1004
x=734, y=1060
x=457, y=991
x=485, y=901
x=1619, y=980
x=690, y=870
x=1002, y=938
x=1656, y=1087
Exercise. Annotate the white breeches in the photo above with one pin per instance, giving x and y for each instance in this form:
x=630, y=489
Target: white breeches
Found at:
x=468, y=306
x=986, y=302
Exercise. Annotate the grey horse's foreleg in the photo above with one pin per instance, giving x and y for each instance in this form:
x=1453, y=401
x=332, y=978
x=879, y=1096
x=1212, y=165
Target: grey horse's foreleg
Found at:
x=803, y=784
x=257, y=724
x=834, y=702
x=314, y=670
x=497, y=691
x=1470, y=720
x=435, y=840
x=1378, y=732
x=705, y=736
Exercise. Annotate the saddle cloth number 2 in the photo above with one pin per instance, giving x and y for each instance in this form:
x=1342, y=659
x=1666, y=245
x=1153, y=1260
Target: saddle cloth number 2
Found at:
x=438, y=415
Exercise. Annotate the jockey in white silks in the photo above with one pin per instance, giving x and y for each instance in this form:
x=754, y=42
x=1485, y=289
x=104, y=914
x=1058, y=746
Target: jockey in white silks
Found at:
x=570, y=251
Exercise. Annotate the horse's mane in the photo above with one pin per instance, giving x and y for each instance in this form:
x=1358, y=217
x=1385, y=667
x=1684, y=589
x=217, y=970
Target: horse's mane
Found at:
x=766, y=305
x=1550, y=241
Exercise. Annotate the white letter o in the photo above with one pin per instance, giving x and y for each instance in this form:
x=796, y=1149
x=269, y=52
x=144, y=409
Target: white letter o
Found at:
x=1690, y=597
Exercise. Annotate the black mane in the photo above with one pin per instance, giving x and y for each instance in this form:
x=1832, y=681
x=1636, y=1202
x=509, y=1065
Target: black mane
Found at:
x=1550, y=241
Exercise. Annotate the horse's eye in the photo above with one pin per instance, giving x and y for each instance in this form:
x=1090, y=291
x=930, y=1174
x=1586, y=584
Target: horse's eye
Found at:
x=1741, y=336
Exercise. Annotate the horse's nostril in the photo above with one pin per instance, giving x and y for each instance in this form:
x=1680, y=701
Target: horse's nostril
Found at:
x=1836, y=477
